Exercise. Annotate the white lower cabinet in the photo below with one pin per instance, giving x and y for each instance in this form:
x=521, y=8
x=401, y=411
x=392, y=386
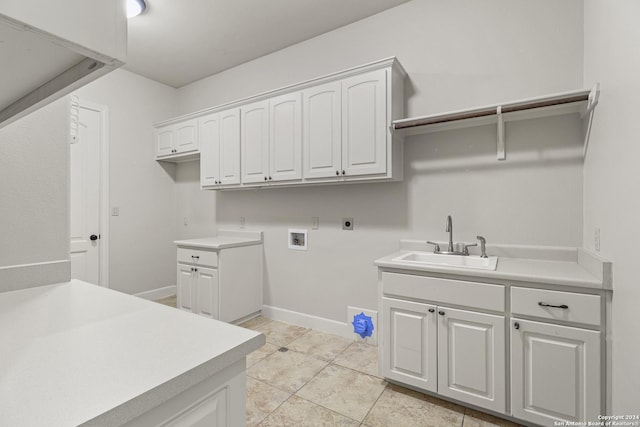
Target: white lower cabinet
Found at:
x=555, y=372
x=456, y=353
x=410, y=346
x=471, y=357
x=552, y=352
x=223, y=284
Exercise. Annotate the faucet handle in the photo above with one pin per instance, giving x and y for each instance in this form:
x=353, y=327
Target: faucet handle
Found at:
x=483, y=247
x=437, y=246
x=466, y=248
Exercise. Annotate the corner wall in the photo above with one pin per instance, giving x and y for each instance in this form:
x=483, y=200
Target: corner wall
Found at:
x=611, y=178
x=457, y=54
x=34, y=187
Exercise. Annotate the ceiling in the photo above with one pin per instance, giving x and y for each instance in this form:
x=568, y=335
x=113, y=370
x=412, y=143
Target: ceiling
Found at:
x=177, y=42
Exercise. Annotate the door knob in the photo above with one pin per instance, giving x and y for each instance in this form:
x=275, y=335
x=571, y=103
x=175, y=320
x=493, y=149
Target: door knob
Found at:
x=93, y=237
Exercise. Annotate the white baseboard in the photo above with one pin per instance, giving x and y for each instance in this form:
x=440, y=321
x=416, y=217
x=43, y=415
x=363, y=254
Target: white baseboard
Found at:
x=15, y=277
x=329, y=326
x=156, y=294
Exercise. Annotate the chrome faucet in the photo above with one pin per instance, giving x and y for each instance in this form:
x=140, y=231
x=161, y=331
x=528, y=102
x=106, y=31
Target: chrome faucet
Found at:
x=449, y=229
x=483, y=247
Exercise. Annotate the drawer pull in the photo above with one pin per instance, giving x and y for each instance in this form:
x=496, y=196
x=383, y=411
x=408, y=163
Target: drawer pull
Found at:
x=195, y=256
x=544, y=304
x=516, y=325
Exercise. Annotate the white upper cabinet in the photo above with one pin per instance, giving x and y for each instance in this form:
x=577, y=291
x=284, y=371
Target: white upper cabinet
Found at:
x=322, y=130
x=254, y=142
x=326, y=130
x=364, y=124
x=285, y=137
x=177, y=139
x=220, y=148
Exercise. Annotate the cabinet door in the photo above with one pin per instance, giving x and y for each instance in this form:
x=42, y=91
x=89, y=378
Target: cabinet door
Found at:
x=164, y=141
x=322, y=132
x=364, y=124
x=254, y=140
x=471, y=357
x=186, y=136
x=185, y=287
x=555, y=372
x=285, y=137
x=409, y=347
x=206, y=292
x=230, y=146
x=209, y=131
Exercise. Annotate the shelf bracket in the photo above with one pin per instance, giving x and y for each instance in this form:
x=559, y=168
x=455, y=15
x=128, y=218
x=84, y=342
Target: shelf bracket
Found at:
x=594, y=97
x=501, y=149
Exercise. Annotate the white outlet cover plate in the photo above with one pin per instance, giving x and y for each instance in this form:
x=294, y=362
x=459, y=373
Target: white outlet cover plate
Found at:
x=353, y=311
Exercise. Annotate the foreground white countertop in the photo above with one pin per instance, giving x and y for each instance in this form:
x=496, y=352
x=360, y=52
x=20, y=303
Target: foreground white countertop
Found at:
x=224, y=239
x=73, y=351
x=583, y=271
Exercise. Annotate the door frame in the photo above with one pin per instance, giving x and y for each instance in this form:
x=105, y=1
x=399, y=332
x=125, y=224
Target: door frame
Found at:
x=103, y=219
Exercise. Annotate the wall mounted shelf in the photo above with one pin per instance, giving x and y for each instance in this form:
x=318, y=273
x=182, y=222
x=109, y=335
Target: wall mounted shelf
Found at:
x=576, y=102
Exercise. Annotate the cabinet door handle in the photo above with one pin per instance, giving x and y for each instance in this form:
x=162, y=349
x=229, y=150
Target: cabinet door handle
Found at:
x=432, y=310
x=544, y=304
x=441, y=313
x=516, y=325
x=270, y=178
x=195, y=270
x=343, y=172
x=337, y=172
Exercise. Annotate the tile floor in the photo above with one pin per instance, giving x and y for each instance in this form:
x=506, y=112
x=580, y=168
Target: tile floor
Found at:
x=303, y=377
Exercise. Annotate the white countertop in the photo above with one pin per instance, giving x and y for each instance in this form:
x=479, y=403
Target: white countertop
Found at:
x=73, y=351
x=224, y=239
x=544, y=271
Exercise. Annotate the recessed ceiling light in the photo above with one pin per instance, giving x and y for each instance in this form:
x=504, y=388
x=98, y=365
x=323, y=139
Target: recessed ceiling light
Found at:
x=135, y=7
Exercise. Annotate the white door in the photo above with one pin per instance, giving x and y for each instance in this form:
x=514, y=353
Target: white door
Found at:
x=471, y=357
x=364, y=124
x=164, y=141
x=85, y=195
x=321, y=127
x=555, y=373
x=209, y=130
x=230, y=146
x=409, y=341
x=254, y=139
x=285, y=137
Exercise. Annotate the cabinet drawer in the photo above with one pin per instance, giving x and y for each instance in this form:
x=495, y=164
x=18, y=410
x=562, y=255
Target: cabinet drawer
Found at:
x=197, y=256
x=457, y=292
x=580, y=308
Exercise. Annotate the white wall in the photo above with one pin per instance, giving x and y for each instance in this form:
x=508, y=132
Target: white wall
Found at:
x=142, y=255
x=611, y=179
x=457, y=54
x=34, y=188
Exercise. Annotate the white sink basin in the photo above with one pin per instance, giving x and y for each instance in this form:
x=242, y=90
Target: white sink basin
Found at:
x=458, y=261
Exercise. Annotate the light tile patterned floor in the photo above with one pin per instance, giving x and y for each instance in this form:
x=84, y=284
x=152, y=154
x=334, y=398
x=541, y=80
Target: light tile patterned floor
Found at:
x=302, y=377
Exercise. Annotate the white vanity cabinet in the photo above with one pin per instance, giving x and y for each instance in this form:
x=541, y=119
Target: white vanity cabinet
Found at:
x=453, y=352
x=221, y=277
x=176, y=140
x=555, y=369
x=220, y=149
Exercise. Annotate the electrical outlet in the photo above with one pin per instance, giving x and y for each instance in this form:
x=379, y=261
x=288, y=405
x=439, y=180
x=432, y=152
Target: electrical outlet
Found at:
x=315, y=222
x=243, y=222
x=347, y=223
x=596, y=242
x=115, y=211
x=354, y=311
x=186, y=220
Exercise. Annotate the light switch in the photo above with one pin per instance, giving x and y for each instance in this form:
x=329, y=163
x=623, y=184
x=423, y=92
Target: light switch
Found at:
x=115, y=211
